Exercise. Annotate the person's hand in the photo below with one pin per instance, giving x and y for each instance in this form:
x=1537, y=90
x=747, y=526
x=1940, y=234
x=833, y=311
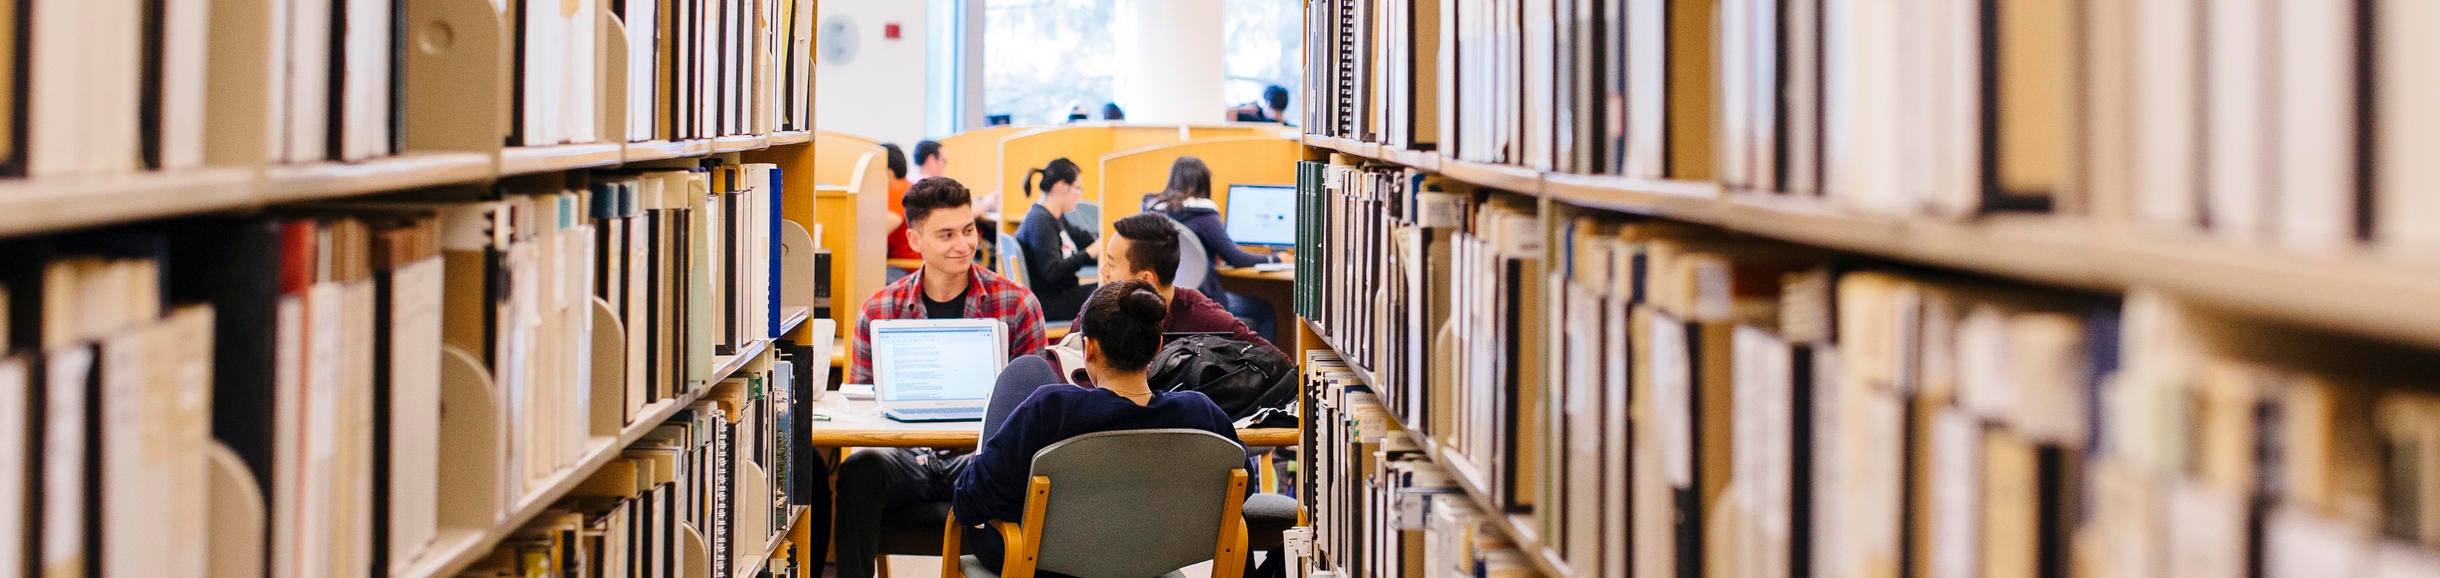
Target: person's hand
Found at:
x=1093, y=248
x=1284, y=256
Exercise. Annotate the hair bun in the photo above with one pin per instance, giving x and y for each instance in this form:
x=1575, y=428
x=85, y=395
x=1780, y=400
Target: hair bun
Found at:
x=1142, y=301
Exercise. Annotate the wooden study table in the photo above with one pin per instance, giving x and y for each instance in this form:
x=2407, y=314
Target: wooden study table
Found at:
x=1277, y=287
x=839, y=422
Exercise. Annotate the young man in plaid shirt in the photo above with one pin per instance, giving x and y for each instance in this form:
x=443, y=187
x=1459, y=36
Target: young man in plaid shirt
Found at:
x=873, y=483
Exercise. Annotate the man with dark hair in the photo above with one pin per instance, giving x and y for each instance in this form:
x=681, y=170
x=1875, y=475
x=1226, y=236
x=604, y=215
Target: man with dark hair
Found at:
x=1275, y=101
x=899, y=249
x=928, y=162
x=1145, y=248
x=873, y=483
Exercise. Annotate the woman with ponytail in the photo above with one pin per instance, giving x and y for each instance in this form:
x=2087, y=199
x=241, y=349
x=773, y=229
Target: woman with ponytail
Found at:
x=1054, y=248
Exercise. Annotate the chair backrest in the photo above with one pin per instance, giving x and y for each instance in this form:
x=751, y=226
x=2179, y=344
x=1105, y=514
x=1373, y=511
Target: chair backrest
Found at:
x=1012, y=259
x=1194, y=261
x=1087, y=216
x=1134, y=503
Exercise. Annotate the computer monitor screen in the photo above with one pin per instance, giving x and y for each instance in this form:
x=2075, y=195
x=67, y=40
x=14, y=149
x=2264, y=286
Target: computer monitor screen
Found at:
x=1262, y=214
x=935, y=363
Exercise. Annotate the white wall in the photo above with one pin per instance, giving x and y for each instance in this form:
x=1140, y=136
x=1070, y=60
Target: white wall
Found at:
x=878, y=94
x=1170, y=61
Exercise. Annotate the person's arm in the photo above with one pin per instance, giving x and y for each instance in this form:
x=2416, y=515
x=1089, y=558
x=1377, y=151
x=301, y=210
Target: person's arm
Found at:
x=1215, y=239
x=993, y=485
x=1025, y=335
x=860, y=350
x=1040, y=234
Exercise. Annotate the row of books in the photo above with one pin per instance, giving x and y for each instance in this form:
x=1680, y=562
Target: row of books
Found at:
x=120, y=86
x=315, y=343
x=1382, y=506
x=703, y=69
x=2252, y=123
x=706, y=490
x=1651, y=398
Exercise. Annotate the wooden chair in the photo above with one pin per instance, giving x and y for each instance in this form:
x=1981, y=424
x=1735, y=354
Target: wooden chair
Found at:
x=1122, y=504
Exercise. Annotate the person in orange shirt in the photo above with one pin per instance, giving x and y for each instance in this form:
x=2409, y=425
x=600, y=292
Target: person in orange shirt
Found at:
x=899, y=249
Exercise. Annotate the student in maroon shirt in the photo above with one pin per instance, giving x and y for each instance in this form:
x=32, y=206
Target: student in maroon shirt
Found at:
x=1145, y=248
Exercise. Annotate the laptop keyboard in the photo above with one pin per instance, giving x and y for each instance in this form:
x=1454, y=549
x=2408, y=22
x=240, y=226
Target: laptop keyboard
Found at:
x=933, y=411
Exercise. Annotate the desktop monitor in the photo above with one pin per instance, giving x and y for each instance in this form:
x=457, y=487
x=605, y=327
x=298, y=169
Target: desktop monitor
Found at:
x=1262, y=215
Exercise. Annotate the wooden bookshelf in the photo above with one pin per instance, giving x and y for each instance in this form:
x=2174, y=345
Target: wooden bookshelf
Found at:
x=41, y=205
x=741, y=143
x=791, y=137
x=1545, y=559
x=796, y=316
x=450, y=554
x=2361, y=292
x=48, y=205
x=665, y=149
x=543, y=159
x=296, y=183
x=754, y=565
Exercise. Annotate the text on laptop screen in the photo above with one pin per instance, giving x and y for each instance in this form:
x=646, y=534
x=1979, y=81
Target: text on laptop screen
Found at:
x=1262, y=214
x=937, y=363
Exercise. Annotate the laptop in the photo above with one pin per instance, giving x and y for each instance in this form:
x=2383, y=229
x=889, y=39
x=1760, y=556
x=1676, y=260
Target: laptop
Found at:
x=936, y=369
x=1262, y=215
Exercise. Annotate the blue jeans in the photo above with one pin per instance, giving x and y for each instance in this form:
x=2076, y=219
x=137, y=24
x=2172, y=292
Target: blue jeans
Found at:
x=1257, y=314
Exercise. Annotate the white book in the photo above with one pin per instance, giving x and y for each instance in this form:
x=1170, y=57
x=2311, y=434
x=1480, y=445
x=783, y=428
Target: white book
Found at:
x=579, y=110
x=308, y=81
x=1956, y=465
x=2409, y=128
x=84, y=87
x=2318, y=189
x=138, y=449
x=364, y=105
x=186, y=27
x=415, y=384
x=325, y=368
x=288, y=439
x=2240, y=172
x=2168, y=147
x=544, y=76
x=16, y=458
x=643, y=21
x=62, y=528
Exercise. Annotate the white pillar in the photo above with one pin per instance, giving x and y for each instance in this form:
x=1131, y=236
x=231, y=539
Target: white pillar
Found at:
x=1169, y=61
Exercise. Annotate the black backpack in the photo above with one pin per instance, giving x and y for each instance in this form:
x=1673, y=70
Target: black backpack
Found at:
x=1244, y=379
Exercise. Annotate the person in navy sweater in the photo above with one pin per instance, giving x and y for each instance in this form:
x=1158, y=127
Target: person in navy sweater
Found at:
x=1126, y=318
x=1188, y=199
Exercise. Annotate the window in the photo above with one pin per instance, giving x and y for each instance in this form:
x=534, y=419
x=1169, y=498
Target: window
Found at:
x=1043, y=56
x=1264, y=42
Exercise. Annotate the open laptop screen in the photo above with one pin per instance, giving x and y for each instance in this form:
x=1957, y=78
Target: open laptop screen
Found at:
x=1262, y=215
x=935, y=363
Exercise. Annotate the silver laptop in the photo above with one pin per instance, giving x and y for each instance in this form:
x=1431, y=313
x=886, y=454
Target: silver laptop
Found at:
x=936, y=369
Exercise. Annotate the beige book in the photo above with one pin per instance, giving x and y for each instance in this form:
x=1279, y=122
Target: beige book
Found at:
x=2240, y=172
x=2405, y=134
x=2012, y=521
x=2320, y=191
x=2169, y=130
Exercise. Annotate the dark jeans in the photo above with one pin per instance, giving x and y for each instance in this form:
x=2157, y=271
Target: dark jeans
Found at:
x=874, y=483
x=1257, y=314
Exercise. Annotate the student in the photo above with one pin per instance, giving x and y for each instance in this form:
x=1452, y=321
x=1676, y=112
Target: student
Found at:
x=1127, y=317
x=1054, y=248
x=899, y=249
x=928, y=162
x=948, y=286
x=1272, y=108
x=1144, y=247
x=1189, y=200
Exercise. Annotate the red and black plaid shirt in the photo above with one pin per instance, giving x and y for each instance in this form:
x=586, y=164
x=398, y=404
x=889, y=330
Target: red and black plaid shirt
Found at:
x=989, y=297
